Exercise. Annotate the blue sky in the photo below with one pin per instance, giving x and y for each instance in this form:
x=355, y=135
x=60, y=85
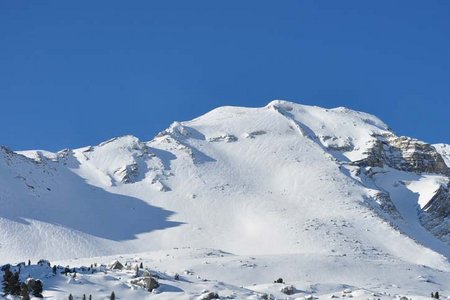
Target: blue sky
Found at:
x=74, y=73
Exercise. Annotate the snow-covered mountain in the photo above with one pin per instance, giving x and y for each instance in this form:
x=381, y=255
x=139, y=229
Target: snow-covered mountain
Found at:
x=284, y=178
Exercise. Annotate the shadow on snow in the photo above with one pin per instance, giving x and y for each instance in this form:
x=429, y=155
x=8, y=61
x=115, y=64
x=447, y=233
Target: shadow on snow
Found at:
x=76, y=205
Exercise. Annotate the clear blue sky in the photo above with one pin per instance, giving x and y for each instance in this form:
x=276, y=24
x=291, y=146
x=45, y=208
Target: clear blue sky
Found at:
x=75, y=73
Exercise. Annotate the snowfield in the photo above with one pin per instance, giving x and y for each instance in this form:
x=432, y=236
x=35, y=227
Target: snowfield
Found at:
x=329, y=200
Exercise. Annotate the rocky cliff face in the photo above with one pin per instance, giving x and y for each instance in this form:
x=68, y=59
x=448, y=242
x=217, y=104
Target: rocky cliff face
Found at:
x=414, y=156
x=435, y=216
x=405, y=154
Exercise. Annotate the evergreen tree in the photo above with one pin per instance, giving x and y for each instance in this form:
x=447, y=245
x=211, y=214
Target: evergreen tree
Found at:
x=24, y=292
x=37, y=289
x=6, y=279
x=14, y=284
x=70, y=297
x=436, y=295
x=113, y=296
x=84, y=296
x=90, y=297
x=54, y=269
x=29, y=262
x=141, y=265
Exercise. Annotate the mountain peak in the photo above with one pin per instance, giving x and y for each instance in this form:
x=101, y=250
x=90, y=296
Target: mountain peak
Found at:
x=246, y=180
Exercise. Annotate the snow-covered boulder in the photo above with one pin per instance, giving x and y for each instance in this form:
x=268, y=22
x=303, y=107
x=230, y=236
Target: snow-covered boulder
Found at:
x=209, y=296
x=148, y=283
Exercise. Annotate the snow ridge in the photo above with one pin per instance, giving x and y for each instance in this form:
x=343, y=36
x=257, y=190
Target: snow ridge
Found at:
x=284, y=178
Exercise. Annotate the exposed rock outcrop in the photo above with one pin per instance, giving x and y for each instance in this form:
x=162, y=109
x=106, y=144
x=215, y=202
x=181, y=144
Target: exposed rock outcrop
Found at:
x=404, y=153
x=116, y=265
x=128, y=174
x=384, y=202
x=435, y=216
x=411, y=155
x=227, y=138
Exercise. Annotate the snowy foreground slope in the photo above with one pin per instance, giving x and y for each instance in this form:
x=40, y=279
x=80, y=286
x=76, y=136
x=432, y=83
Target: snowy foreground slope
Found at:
x=328, y=199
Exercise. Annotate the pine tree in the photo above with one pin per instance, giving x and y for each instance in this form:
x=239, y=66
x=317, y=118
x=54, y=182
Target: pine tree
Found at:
x=436, y=295
x=70, y=297
x=14, y=284
x=54, y=269
x=141, y=265
x=37, y=289
x=113, y=296
x=24, y=292
x=84, y=296
x=6, y=279
x=90, y=297
x=29, y=262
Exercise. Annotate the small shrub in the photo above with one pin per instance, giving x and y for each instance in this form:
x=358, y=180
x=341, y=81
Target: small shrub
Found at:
x=279, y=280
x=44, y=262
x=37, y=288
x=24, y=292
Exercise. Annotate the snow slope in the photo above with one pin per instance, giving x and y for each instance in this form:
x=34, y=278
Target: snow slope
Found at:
x=444, y=150
x=242, y=277
x=281, y=179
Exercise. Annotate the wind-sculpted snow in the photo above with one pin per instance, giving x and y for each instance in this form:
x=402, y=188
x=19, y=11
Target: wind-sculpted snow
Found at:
x=284, y=178
x=46, y=205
